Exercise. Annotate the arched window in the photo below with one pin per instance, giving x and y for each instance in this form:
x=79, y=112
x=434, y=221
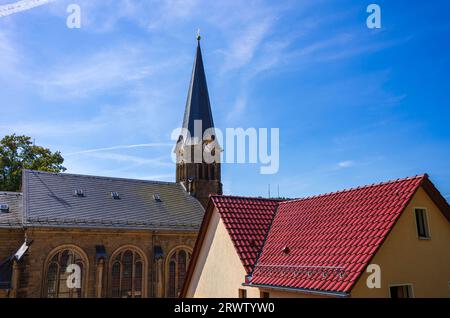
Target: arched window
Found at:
x=127, y=274
x=205, y=172
x=199, y=168
x=213, y=169
x=178, y=263
x=59, y=282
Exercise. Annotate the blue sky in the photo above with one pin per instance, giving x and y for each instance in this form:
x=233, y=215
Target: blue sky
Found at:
x=353, y=105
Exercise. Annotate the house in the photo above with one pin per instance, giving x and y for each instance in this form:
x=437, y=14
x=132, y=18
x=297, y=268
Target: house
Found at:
x=383, y=240
x=127, y=238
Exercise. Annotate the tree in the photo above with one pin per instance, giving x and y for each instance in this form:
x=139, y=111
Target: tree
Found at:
x=17, y=153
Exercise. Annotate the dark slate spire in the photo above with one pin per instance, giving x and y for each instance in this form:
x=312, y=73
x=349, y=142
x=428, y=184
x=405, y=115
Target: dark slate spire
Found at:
x=197, y=104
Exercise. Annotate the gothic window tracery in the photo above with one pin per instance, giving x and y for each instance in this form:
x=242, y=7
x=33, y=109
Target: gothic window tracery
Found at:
x=60, y=274
x=127, y=274
x=177, y=268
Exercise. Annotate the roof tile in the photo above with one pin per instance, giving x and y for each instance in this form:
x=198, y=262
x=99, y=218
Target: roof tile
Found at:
x=247, y=221
x=336, y=232
x=49, y=201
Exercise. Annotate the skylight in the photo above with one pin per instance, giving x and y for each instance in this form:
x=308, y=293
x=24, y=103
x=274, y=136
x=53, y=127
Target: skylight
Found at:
x=4, y=207
x=78, y=193
x=115, y=195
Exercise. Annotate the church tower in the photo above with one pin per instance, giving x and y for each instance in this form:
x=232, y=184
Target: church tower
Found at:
x=197, y=150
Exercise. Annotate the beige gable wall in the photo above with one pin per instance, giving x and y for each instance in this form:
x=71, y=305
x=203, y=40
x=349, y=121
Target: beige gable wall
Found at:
x=404, y=258
x=218, y=271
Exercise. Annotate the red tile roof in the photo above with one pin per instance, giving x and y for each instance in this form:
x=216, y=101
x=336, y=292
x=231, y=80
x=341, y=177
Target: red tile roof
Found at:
x=247, y=221
x=331, y=238
x=321, y=243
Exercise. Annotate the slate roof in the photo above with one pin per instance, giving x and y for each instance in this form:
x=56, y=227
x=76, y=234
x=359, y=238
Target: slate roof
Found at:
x=331, y=238
x=12, y=219
x=247, y=221
x=49, y=201
x=197, y=104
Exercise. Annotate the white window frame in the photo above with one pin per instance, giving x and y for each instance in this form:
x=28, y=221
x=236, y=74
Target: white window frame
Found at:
x=427, y=220
x=410, y=285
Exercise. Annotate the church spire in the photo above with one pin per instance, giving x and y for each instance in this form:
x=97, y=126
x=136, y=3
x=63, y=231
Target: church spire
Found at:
x=197, y=105
x=195, y=170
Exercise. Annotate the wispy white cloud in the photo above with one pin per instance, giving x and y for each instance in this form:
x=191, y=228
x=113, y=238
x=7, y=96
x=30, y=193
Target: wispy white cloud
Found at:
x=158, y=177
x=10, y=57
x=359, y=48
x=242, y=48
x=273, y=55
x=173, y=11
x=239, y=107
x=19, y=6
x=124, y=158
x=345, y=164
x=123, y=123
x=102, y=71
x=119, y=148
x=101, y=16
x=144, y=166
x=41, y=129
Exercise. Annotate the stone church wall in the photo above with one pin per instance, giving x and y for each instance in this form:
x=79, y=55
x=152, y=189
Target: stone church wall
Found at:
x=45, y=241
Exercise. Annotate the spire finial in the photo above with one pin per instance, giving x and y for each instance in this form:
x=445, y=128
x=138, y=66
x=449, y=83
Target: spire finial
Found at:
x=198, y=35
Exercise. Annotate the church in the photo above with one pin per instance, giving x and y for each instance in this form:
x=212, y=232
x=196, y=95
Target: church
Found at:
x=129, y=238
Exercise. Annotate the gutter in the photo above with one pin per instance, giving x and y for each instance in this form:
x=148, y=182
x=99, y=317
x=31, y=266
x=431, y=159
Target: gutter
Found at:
x=112, y=227
x=300, y=290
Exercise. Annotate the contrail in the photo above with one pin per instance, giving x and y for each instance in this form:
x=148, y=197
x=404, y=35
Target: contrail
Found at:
x=119, y=147
x=19, y=6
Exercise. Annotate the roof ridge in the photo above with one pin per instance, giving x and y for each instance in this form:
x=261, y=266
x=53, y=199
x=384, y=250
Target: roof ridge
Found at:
x=419, y=176
x=247, y=197
x=10, y=193
x=100, y=177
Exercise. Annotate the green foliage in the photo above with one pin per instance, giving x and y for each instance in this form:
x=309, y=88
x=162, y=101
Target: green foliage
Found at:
x=17, y=153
